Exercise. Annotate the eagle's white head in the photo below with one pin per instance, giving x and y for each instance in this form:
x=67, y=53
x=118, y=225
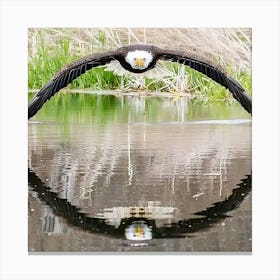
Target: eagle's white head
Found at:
x=139, y=59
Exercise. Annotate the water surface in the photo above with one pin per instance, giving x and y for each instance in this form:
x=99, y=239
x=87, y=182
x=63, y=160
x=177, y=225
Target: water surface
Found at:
x=139, y=174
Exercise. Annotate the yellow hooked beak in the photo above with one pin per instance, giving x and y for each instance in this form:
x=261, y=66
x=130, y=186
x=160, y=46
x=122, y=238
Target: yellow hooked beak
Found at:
x=139, y=62
x=139, y=231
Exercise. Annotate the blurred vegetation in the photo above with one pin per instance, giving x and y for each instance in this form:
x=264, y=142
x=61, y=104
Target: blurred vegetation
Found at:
x=101, y=109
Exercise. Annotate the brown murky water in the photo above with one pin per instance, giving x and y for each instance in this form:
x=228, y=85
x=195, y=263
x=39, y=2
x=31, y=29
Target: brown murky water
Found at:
x=140, y=175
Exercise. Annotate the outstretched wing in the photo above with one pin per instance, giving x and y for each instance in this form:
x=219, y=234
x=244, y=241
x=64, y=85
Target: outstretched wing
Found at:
x=213, y=72
x=65, y=76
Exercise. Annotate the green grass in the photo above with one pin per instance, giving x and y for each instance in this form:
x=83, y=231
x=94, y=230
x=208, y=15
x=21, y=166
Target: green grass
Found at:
x=47, y=60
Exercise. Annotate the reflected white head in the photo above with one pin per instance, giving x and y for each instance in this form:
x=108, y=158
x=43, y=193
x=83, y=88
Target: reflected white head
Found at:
x=139, y=59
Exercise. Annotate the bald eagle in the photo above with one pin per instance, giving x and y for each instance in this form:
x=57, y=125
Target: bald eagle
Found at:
x=137, y=58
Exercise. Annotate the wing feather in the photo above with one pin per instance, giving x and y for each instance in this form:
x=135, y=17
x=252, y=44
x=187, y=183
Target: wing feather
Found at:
x=214, y=72
x=65, y=76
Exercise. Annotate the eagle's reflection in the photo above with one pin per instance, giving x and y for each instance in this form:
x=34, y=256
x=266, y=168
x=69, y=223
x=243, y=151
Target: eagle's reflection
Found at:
x=139, y=227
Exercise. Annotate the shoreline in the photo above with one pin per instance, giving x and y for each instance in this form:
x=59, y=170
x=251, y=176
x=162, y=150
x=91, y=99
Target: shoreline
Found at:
x=124, y=93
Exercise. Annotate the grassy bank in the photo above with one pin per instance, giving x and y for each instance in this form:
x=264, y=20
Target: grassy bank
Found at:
x=51, y=49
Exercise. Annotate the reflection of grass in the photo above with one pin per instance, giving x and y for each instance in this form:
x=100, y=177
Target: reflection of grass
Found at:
x=87, y=108
x=45, y=60
x=66, y=107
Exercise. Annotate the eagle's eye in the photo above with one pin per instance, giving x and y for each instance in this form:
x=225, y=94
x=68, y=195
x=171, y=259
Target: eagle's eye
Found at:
x=137, y=59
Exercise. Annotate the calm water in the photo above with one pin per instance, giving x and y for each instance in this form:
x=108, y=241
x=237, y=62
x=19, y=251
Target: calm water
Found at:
x=139, y=174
